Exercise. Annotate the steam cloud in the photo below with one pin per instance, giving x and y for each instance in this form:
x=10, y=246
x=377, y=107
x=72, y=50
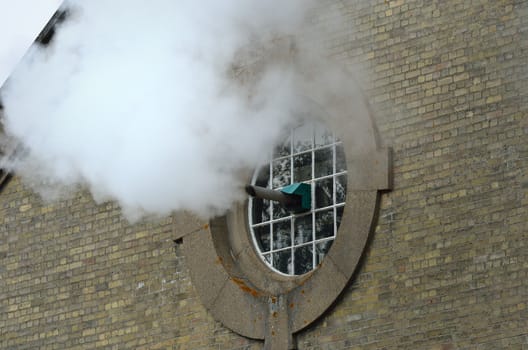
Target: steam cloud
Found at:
x=156, y=104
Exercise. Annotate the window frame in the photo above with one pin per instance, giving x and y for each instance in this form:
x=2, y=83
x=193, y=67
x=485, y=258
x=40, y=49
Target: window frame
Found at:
x=332, y=144
x=241, y=291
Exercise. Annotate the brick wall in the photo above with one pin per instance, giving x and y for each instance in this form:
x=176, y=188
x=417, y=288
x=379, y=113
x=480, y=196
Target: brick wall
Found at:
x=447, y=267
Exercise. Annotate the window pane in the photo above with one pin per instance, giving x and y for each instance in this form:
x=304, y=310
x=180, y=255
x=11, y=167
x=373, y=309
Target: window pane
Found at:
x=281, y=172
x=262, y=234
x=324, y=193
x=282, y=261
x=263, y=176
x=340, y=159
x=261, y=210
x=324, y=224
x=323, y=162
x=302, y=138
x=323, y=136
x=303, y=229
x=341, y=182
x=339, y=216
x=281, y=234
x=303, y=259
x=321, y=249
x=283, y=149
x=302, y=167
x=279, y=212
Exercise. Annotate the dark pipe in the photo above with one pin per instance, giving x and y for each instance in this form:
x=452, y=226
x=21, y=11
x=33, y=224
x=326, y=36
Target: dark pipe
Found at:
x=47, y=34
x=291, y=202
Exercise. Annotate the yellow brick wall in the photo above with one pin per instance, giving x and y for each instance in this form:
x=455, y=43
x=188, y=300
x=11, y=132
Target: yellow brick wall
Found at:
x=447, y=267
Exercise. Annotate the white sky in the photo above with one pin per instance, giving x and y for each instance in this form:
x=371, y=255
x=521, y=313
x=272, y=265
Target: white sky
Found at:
x=20, y=23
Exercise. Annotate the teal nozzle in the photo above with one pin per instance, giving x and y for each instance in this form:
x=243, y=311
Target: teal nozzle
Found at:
x=300, y=189
x=296, y=198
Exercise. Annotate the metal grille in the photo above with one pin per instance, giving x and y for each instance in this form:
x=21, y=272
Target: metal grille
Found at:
x=294, y=244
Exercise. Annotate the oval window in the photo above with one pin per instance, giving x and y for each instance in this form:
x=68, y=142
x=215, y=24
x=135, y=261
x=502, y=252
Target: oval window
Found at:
x=295, y=243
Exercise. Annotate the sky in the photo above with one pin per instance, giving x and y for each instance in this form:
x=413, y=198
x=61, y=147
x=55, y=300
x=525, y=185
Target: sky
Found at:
x=20, y=23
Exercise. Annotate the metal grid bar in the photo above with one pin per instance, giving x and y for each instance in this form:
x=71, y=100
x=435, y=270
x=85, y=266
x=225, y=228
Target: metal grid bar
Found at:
x=267, y=256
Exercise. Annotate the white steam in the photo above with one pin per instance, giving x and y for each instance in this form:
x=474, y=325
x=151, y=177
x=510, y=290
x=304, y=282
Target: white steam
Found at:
x=156, y=104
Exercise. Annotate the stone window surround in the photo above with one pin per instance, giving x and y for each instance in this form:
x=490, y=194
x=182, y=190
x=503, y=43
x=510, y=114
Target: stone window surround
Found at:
x=236, y=286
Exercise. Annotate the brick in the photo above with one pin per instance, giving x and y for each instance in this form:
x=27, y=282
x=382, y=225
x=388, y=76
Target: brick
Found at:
x=445, y=269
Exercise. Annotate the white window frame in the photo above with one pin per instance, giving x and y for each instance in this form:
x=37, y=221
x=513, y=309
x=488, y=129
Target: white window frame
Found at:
x=267, y=256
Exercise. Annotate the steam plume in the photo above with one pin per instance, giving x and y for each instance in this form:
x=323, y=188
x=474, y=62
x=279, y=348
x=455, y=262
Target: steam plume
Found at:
x=157, y=104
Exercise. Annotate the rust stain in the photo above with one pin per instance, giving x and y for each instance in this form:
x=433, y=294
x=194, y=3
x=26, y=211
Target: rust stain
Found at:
x=219, y=260
x=273, y=300
x=304, y=280
x=245, y=288
x=275, y=314
x=292, y=305
x=204, y=227
x=272, y=332
x=302, y=291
